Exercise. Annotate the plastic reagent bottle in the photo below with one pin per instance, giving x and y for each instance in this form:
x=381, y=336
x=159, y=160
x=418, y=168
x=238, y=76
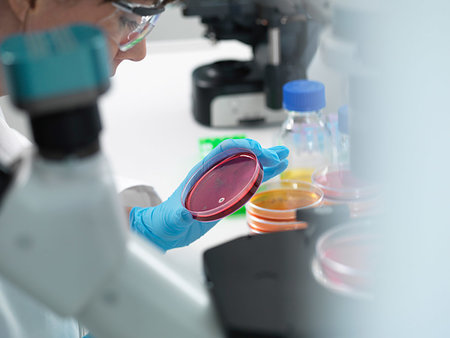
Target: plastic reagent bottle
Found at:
x=304, y=131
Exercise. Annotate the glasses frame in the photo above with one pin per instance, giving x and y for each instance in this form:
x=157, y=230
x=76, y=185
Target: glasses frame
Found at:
x=138, y=9
x=151, y=13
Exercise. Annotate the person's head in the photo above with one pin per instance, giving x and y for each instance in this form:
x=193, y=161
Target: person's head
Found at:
x=122, y=27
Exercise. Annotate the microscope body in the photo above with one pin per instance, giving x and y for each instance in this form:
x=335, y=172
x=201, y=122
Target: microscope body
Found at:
x=233, y=93
x=230, y=93
x=63, y=233
x=56, y=244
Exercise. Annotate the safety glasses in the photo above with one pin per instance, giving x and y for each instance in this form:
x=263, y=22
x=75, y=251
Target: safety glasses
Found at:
x=135, y=22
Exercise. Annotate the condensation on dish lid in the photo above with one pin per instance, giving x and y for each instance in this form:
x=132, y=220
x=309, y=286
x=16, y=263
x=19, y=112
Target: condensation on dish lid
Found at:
x=344, y=259
x=222, y=185
x=340, y=184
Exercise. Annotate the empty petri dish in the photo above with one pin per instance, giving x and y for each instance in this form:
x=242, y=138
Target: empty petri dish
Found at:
x=222, y=185
x=344, y=259
x=274, y=206
x=340, y=184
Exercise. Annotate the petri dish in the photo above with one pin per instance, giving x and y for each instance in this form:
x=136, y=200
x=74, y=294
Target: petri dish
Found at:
x=260, y=225
x=279, y=200
x=344, y=259
x=340, y=184
x=274, y=206
x=222, y=185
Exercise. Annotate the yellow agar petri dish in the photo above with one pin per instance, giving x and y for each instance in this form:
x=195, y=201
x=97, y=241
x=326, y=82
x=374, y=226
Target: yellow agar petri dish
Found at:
x=274, y=206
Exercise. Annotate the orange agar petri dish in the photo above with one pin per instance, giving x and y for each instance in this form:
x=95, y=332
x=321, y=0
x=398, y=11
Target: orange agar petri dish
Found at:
x=274, y=206
x=261, y=225
x=222, y=185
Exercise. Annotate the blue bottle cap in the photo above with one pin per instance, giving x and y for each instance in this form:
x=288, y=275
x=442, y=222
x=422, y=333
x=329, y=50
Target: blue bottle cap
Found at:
x=303, y=95
x=343, y=119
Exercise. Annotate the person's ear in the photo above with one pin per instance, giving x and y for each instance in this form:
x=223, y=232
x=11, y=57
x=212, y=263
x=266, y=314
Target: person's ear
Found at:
x=21, y=8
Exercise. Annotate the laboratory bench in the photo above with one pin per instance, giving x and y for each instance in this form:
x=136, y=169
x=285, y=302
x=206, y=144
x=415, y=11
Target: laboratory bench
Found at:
x=151, y=137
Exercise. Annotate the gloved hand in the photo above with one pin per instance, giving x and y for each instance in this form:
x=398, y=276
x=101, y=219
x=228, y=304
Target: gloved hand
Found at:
x=170, y=225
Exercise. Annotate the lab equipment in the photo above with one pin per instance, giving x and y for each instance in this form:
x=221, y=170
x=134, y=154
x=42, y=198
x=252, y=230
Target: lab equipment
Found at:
x=339, y=184
x=222, y=185
x=324, y=217
x=344, y=259
x=209, y=143
x=263, y=286
x=77, y=258
x=6, y=178
x=274, y=206
x=229, y=93
x=157, y=223
x=274, y=159
x=304, y=131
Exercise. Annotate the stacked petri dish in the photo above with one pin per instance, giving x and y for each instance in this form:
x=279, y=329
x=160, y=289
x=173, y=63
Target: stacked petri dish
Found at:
x=222, y=184
x=273, y=207
x=340, y=185
x=344, y=259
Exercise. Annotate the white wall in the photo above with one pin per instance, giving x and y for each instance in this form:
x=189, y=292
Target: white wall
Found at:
x=172, y=25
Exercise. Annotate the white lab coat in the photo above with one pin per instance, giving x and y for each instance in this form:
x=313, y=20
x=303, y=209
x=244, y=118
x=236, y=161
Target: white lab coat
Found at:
x=20, y=315
x=12, y=143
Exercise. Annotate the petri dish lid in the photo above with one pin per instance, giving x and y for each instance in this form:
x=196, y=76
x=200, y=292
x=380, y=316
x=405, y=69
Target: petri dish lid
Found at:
x=222, y=185
x=344, y=258
x=280, y=200
x=340, y=184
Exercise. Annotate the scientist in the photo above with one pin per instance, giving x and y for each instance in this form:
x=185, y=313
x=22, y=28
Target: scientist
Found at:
x=168, y=225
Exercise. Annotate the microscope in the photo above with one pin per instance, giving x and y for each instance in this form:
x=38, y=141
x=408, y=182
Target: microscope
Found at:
x=232, y=93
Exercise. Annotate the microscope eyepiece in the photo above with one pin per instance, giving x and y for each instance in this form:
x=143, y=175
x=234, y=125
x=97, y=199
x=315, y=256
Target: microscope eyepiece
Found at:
x=56, y=76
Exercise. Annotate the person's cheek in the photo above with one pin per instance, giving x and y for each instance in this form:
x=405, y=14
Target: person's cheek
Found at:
x=113, y=52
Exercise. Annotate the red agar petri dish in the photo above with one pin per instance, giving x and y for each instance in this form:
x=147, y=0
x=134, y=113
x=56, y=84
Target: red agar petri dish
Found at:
x=340, y=184
x=223, y=185
x=345, y=257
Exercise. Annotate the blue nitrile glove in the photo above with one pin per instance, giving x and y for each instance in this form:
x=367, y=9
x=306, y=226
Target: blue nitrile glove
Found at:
x=170, y=225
